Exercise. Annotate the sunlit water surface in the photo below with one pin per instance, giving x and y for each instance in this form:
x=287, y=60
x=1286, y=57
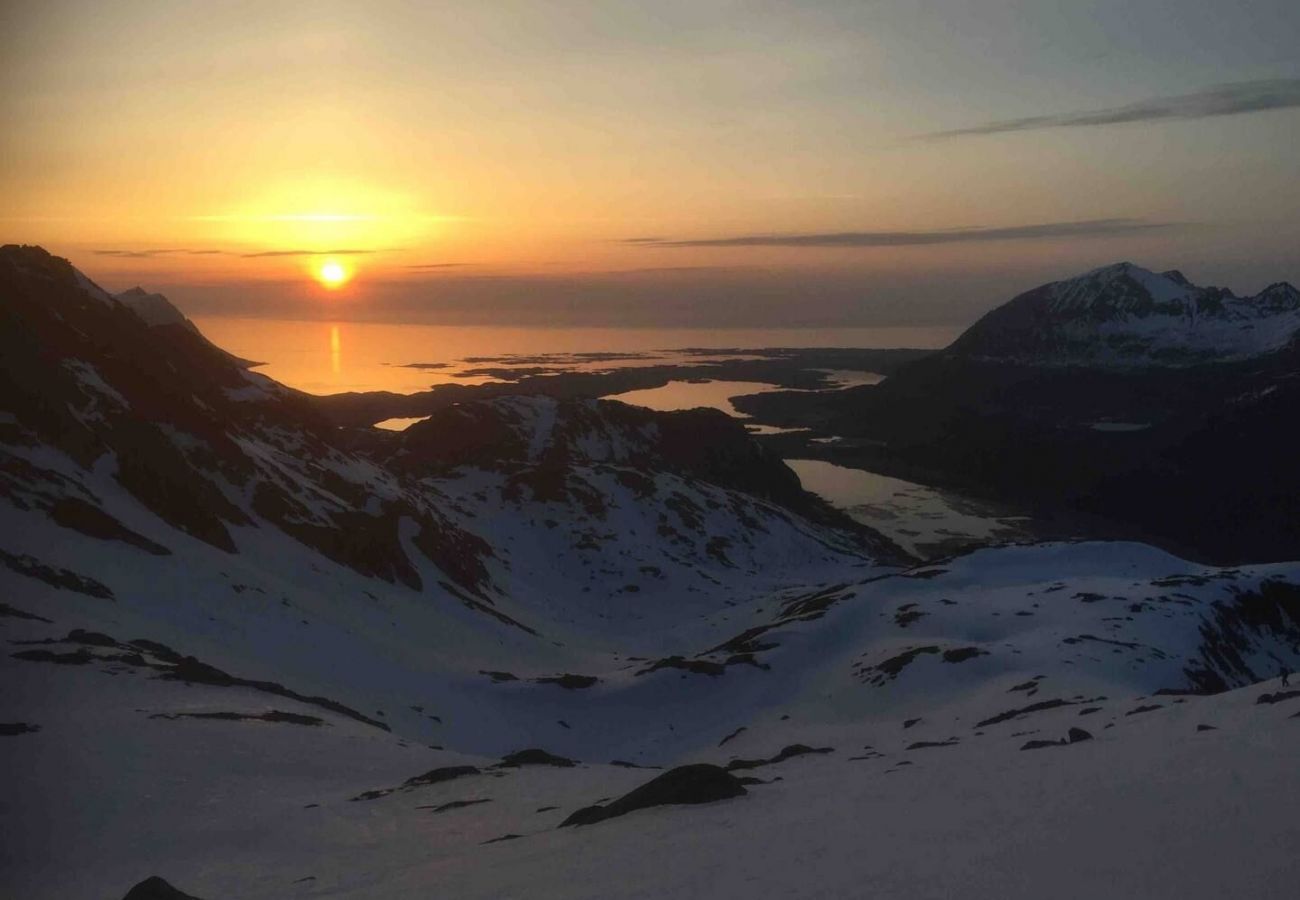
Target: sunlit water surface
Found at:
x=922, y=520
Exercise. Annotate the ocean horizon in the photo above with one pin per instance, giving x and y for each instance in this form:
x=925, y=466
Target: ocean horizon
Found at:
x=322, y=357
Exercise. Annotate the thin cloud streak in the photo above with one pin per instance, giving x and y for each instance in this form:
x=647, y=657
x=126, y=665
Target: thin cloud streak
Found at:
x=1082, y=229
x=151, y=254
x=1233, y=99
x=266, y=253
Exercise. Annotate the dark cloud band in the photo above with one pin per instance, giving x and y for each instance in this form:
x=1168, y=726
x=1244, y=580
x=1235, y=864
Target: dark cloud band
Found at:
x=1088, y=228
x=1222, y=100
x=150, y=254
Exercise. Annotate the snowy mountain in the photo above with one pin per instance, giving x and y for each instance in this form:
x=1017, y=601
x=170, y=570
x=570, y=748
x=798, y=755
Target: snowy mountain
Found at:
x=1126, y=316
x=263, y=656
x=155, y=309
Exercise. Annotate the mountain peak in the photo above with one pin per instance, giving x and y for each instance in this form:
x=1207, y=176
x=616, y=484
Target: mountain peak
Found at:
x=1133, y=270
x=154, y=309
x=27, y=260
x=1123, y=315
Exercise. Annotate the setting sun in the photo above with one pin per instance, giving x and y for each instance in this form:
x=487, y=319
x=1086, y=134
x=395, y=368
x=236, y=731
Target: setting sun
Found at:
x=333, y=274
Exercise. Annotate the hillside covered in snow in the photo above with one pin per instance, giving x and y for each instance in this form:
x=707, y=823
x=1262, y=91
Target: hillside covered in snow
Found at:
x=1126, y=316
x=573, y=648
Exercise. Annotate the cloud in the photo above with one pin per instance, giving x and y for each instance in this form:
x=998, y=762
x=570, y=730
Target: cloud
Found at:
x=1222, y=100
x=425, y=267
x=1086, y=228
x=138, y=254
x=265, y=253
x=181, y=251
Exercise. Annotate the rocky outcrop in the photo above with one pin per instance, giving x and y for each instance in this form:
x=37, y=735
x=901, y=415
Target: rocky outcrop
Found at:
x=1126, y=316
x=700, y=783
x=155, y=888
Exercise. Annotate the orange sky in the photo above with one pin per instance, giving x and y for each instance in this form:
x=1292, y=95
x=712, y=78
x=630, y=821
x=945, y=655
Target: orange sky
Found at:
x=193, y=146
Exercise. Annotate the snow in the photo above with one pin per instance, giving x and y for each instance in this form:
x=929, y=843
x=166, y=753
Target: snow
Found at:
x=88, y=376
x=1151, y=807
x=1124, y=315
x=92, y=290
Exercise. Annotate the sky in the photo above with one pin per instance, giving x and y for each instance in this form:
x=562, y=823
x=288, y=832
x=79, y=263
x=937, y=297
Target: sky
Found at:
x=738, y=164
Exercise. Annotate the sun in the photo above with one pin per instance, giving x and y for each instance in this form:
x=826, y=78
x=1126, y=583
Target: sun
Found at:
x=333, y=274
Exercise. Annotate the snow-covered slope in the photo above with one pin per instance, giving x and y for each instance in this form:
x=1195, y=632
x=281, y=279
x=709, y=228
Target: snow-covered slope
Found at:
x=262, y=656
x=1126, y=316
x=160, y=313
x=917, y=694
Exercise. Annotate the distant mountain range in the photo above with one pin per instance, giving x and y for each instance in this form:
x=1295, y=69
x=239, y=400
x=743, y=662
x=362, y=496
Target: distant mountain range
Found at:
x=1126, y=316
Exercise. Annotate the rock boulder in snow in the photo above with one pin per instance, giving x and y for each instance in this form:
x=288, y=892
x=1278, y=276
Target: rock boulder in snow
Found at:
x=155, y=888
x=700, y=783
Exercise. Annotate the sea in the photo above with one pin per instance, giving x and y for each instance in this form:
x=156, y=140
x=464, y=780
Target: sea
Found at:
x=336, y=357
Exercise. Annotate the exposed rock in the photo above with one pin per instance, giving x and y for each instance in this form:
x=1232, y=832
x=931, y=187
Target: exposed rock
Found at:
x=1276, y=698
x=921, y=745
x=90, y=638
x=499, y=677
x=731, y=736
x=73, y=658
x=533, y=757
x=437, y=776
x=504, y=837
x=433, y=776
x=456, y=804
x=9, y=611
x=789, y=752
x=1039, y=745
x=1074, y=736
x=274, y=715
x=569, y=682
x=889, y=669
x=52, y=575
x=699, y=783
x=156, y=889
x=1143, y=709
x=697, y=666
x=1023, y=711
